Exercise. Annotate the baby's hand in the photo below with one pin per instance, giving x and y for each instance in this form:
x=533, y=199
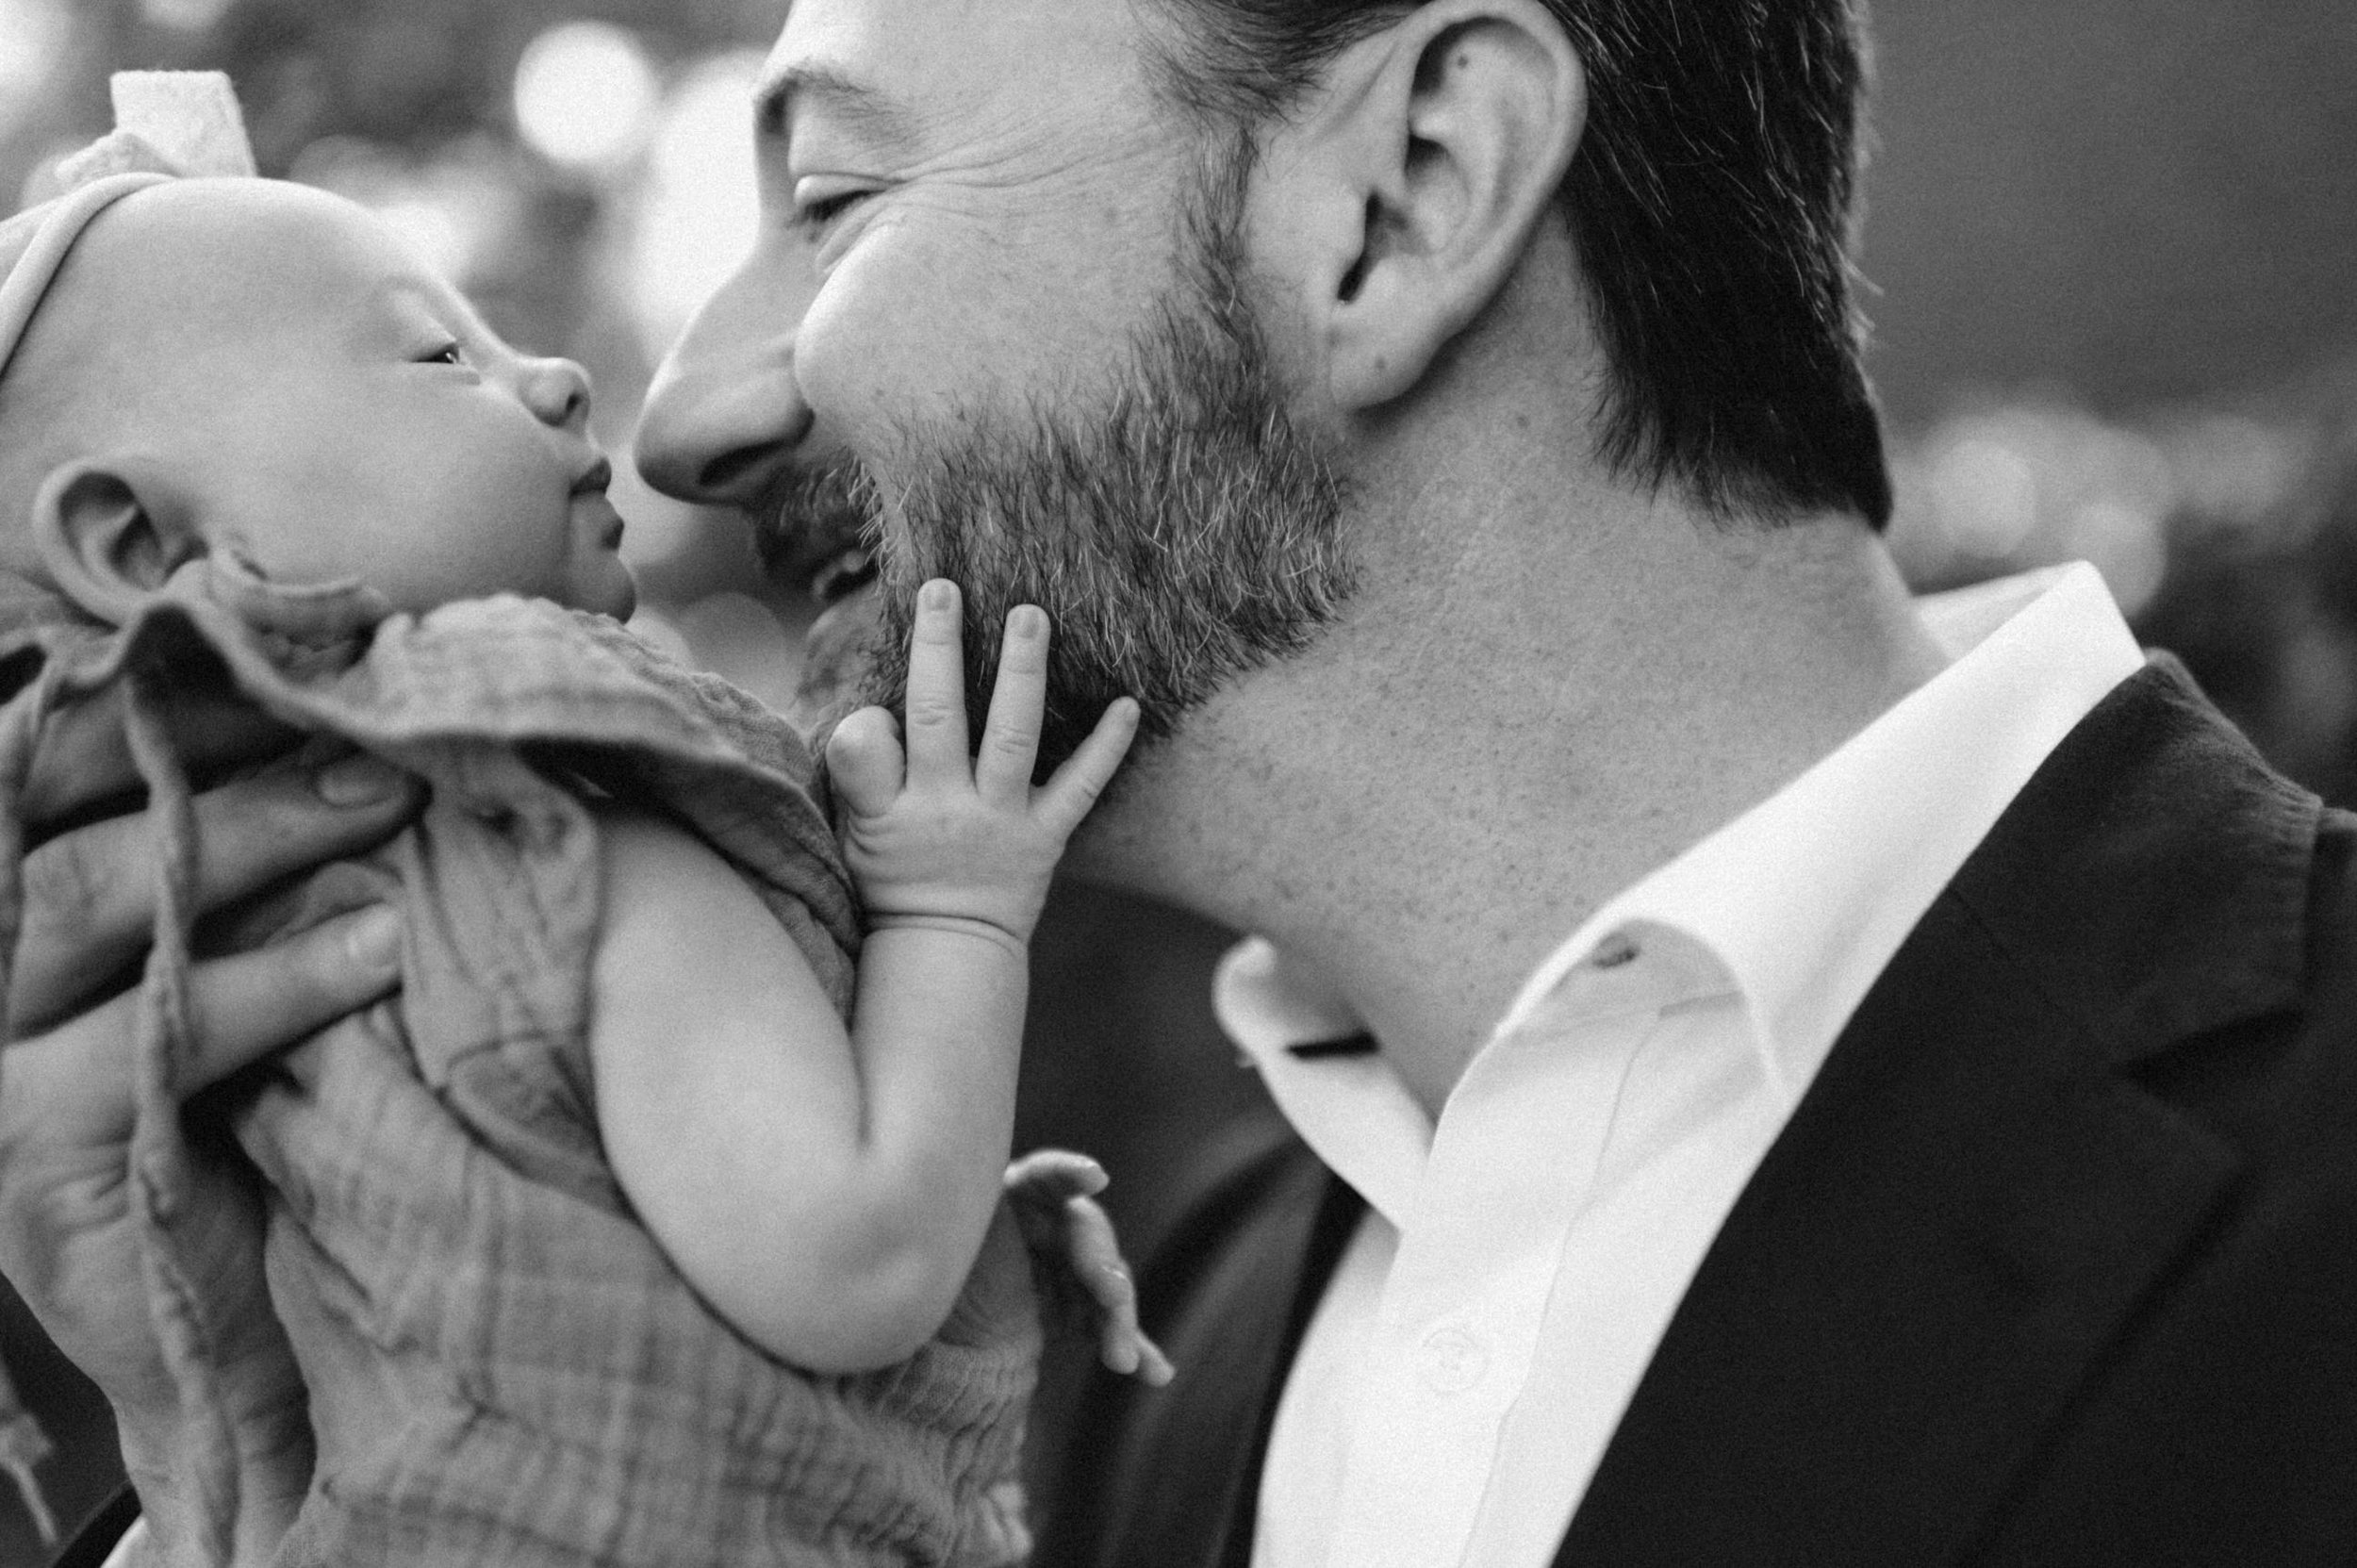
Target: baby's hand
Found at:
x=1087, y=1281
x=932, y=834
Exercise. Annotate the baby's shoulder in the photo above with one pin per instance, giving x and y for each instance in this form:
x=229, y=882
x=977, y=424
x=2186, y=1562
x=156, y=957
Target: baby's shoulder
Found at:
x=649, y=734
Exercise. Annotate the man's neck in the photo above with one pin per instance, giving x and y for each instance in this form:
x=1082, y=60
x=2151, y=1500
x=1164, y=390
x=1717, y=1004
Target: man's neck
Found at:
x=1517, y=718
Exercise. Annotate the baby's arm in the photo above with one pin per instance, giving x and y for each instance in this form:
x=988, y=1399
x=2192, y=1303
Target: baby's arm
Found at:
x=827, y=1192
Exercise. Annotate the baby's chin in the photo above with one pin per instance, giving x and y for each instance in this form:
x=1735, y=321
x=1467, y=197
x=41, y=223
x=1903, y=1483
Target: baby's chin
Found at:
x=606, y=588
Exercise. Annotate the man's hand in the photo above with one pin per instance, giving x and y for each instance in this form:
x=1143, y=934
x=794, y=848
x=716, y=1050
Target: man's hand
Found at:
x=68, y=1238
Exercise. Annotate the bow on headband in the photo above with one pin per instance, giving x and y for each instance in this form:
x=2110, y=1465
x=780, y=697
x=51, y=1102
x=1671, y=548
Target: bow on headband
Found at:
x=168, y=125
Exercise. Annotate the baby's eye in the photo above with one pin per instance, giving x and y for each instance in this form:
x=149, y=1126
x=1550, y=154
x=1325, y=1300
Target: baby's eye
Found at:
x=448, y=353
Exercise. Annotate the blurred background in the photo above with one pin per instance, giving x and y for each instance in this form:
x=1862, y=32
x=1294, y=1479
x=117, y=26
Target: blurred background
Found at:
x=2111, y=244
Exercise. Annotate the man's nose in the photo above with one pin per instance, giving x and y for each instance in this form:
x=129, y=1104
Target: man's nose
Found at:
x=557, y=392
x=725, y=415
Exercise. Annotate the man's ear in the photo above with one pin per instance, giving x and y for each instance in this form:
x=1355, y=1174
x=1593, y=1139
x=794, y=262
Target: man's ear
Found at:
x=1417, y=179
x=109, y=535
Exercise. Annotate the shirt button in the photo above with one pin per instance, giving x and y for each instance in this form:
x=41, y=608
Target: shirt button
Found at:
x=1613, y=951
x=1454, y=1360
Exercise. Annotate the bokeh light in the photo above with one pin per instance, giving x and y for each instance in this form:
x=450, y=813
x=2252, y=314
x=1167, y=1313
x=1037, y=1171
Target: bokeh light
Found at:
x=452, y=209
x=695, y=219
x=184, y=16
x=1984, y=495
x=739, y=637
x=2234, y=468
x=2126, y=543
x=2024, y=482
x=33, y=37
x=585, y=94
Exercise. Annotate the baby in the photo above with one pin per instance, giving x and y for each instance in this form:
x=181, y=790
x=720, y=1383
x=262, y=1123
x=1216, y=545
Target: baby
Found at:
x=608, y=1239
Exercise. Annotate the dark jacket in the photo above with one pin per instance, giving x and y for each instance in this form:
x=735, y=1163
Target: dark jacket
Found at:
x=2056, y=1262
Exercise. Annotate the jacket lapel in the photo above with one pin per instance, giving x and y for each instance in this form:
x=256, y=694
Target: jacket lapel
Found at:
x=1976, y=1191
x=1334, y=1219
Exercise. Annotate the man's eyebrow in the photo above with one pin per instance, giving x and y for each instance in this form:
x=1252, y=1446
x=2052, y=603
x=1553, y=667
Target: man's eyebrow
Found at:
x=861, y=107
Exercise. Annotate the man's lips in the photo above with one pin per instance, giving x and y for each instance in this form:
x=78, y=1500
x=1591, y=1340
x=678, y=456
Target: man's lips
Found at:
x=842, y=575
x=811, y=528
x=835, y=654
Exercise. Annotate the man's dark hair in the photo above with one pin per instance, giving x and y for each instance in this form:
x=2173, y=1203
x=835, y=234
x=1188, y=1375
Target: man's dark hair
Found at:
x=1711, y=202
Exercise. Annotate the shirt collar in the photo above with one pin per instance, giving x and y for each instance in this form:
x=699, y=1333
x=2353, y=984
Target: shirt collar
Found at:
x=1800, y=901
x=1872, y=833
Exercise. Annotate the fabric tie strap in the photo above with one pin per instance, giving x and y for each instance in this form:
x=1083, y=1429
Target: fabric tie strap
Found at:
x=169, y=124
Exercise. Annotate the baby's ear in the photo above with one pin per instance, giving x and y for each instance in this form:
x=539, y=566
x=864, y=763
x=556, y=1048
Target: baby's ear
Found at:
x=109, y=536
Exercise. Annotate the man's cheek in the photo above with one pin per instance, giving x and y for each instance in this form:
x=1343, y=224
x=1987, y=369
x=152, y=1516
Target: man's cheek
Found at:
x=826, y=364
x=873, y=354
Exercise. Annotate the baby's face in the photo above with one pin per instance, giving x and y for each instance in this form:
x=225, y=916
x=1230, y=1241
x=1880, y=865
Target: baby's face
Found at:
x=347, y=414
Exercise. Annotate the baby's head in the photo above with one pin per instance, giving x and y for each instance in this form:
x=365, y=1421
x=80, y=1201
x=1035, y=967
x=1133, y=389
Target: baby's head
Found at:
x=254, y=366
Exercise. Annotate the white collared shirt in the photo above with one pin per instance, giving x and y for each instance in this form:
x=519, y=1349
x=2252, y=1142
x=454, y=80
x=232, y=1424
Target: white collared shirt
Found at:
x=1520, y=1261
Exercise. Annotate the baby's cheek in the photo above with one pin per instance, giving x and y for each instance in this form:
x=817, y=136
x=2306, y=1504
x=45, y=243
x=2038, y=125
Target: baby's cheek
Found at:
x=601, y=584
x=475, y=553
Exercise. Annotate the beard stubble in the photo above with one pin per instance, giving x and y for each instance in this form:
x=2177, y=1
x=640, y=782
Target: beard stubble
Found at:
x=1179, y=533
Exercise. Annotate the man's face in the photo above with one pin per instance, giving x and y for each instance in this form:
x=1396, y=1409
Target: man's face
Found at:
x=1019, y=352
x=981, y=192
x=1177, y=527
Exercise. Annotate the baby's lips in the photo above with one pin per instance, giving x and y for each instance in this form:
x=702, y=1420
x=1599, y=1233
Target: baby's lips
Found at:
x=593, y=508
x=596, y=479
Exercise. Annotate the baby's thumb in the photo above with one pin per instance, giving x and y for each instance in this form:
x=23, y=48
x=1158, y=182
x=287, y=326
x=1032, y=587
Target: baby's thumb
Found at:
x=864, y=761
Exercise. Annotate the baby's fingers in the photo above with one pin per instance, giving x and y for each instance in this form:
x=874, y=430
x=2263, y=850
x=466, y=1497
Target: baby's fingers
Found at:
x=1003, y=770
x=1065, y=799
x=1121, y=1342
x=938, y=756
x=1047, y=1177
x=863, y=762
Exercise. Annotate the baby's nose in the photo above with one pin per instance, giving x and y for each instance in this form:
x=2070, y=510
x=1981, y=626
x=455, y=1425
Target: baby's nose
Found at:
x=557, y=392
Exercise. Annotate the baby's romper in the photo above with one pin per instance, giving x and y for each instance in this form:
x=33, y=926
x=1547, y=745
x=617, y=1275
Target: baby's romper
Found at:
x=502, y=1366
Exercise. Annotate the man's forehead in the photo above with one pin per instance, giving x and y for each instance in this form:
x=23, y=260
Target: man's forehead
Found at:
x=891, y=61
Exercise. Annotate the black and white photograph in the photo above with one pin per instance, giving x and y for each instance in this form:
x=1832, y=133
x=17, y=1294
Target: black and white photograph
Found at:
x=1178, y=783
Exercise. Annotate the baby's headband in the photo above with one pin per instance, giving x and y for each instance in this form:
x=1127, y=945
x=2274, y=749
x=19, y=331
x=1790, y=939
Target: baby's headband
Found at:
x=169, y=124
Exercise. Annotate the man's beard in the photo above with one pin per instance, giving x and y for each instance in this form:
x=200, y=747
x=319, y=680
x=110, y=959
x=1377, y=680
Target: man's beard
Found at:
x=1178, y=535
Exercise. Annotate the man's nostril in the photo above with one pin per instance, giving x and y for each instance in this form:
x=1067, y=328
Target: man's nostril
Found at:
x=728, y=470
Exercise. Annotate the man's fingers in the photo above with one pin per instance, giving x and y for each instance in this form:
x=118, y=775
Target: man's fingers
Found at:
x=77, y=1077
x=1065, y=799
x=90, y=894
x=863, y=762
x=250, y=1004
x=937, y=738
x=84, y=760
x=1002, y=769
